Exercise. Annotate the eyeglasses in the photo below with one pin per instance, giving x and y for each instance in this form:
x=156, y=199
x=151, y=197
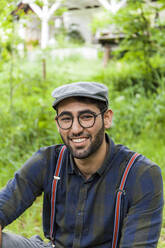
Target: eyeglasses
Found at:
x=86, y=119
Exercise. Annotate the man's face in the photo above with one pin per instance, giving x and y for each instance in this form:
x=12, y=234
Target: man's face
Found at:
x=82, y=142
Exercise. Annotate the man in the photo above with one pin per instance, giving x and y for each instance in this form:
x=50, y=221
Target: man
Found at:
x=83, y=182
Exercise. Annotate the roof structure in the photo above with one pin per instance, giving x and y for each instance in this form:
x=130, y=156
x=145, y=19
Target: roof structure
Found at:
x=79, y=14
x=82, y=4
x=72, y=4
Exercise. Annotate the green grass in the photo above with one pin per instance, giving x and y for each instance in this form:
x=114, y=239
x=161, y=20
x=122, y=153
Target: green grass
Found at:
x=27, y=122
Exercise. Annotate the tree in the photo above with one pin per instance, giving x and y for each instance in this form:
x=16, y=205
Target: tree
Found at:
x=6, y=27
x=44, y=13
x=8, y=42
x=143, y=42
x=141, y=25
x=113, y=5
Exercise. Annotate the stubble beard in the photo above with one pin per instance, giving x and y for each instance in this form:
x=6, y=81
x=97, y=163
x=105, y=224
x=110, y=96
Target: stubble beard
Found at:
x=93, y=147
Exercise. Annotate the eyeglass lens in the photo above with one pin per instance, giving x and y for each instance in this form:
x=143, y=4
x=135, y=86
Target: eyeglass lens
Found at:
x=86, y=120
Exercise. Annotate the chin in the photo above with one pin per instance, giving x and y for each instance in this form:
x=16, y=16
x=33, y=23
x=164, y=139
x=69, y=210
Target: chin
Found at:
x=82, y=153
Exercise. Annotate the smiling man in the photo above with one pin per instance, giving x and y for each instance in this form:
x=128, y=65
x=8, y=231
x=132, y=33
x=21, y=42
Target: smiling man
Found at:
x=96, y=194
x=82, y=127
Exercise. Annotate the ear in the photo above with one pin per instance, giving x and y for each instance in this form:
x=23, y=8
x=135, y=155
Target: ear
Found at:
x=108, y=118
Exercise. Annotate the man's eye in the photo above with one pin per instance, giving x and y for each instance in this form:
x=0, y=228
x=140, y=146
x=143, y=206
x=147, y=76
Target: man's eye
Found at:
x=86, y=117
x=65, y=119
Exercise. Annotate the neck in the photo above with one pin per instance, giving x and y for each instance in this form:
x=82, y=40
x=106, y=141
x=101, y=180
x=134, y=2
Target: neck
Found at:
x=90, y=165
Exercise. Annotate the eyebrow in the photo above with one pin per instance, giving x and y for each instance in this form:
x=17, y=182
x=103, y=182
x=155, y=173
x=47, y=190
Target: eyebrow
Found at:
x=79, y=113
x=65, y=113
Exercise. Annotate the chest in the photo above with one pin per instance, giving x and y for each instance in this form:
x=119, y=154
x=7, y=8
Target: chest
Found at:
x=86, y=206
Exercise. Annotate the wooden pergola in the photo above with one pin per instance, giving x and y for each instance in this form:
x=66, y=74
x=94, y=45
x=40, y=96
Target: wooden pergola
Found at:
x=108, y=40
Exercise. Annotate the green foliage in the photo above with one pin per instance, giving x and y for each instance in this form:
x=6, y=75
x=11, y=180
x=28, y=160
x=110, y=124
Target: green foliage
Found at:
x=125, y=74
x=101, y=20
x=27, y=118
x=75, y=36
x=60, y=11
x=143, y=33
x=139, y=120
x=140, y=24
x=6, y=29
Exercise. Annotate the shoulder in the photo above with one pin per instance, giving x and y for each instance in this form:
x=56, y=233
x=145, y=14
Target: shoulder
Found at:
x=143, y=170
x=44, y=158
x=144, y=167
x=145, y=181
x=49, y=151
x=41, y=164
x=141, y=164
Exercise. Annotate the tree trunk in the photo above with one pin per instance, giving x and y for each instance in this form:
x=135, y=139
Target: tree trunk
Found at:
x=44, y=33
x=44, y=42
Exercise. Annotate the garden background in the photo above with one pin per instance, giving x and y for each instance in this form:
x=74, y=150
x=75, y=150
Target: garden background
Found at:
x=135, y=76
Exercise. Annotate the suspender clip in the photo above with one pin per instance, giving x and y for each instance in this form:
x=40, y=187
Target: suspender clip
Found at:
x=122, y=191
x=56, y=178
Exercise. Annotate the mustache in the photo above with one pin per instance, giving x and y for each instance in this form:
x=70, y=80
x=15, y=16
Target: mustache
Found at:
x=78, y=135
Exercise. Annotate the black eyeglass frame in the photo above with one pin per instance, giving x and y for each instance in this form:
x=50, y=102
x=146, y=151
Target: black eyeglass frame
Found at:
x=78, y=117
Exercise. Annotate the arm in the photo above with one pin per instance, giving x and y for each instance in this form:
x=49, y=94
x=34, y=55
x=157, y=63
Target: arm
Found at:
x=142, y=224
x=22, y=190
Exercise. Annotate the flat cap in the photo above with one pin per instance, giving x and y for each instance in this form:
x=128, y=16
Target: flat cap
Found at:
x=84, y=89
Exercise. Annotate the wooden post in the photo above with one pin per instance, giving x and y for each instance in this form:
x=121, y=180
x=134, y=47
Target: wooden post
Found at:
x=106, y=54
x=44, y=68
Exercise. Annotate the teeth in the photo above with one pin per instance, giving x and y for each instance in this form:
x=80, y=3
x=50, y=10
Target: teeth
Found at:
x=78, y=140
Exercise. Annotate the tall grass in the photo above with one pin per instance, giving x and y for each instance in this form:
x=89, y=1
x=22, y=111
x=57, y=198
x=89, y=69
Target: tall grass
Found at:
x=28, y=123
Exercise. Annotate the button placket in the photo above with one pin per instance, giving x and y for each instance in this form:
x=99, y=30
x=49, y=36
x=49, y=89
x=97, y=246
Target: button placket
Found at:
x=80, y=215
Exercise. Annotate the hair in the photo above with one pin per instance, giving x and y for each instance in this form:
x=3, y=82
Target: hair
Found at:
x=101, y=105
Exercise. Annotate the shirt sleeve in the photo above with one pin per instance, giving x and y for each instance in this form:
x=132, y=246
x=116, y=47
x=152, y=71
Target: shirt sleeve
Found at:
x=22, y=190
x=142, y=223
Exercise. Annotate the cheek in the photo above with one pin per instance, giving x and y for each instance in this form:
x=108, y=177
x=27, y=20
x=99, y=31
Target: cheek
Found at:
x=63, y=133
x=96, y=128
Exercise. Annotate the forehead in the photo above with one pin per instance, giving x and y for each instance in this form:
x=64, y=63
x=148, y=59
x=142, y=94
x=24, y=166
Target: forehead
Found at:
x=74, y=105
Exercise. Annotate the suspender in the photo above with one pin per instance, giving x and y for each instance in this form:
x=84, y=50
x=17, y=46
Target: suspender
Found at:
x=118, y=198
x=54, y=191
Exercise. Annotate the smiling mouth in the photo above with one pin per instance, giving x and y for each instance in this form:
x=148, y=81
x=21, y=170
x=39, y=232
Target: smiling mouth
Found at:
x=79, y=140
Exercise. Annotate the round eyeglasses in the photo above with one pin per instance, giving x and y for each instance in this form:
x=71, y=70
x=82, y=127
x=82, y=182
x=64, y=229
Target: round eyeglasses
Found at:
x=86, y=119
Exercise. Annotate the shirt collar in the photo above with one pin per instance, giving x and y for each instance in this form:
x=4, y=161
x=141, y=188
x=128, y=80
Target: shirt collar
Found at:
x=72, y=168
x=109, y=156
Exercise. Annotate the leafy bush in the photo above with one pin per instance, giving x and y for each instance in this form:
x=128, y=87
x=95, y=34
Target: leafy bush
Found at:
x=139, y=26
x=27, y=122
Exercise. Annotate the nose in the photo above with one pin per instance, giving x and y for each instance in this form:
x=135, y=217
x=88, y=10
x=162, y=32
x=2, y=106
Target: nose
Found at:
x=76, y=127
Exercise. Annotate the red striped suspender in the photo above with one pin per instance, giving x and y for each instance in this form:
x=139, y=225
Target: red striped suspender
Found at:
x=118, y=200
x=54, y=190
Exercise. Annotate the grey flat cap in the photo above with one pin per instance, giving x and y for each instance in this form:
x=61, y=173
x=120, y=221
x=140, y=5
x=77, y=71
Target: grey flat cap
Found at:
x=84, y=89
